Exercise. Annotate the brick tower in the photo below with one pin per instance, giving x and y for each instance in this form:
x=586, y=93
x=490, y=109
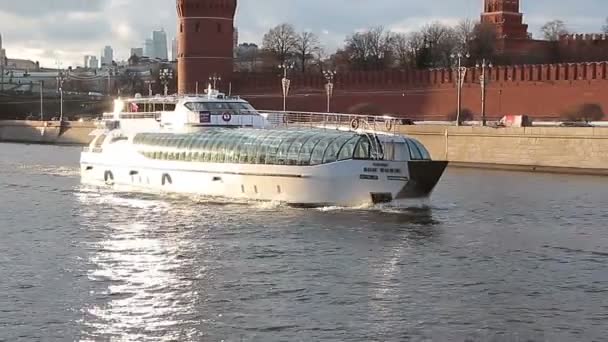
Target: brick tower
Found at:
x=506, y=17
x=205, y=37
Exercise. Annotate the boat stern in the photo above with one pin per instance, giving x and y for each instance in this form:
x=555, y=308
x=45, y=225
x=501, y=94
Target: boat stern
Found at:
x=423, y=177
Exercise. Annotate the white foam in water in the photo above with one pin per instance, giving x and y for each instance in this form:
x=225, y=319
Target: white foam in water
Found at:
x=51, y=170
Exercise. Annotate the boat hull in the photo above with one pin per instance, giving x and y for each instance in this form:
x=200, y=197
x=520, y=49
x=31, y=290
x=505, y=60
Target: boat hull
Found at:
x=345, y=183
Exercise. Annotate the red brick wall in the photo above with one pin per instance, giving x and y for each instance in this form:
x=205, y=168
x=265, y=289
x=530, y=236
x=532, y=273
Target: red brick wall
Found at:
x=542, y=91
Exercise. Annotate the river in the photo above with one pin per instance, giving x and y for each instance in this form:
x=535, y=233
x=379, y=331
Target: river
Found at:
x=493, y=255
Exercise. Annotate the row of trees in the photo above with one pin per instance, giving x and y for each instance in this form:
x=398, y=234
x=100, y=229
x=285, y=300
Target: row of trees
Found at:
x=378, y=48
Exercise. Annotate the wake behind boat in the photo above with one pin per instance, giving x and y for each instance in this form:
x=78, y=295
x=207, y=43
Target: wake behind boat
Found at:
x=216, y=145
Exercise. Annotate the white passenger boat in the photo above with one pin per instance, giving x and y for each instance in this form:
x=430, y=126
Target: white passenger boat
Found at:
x=215, y=145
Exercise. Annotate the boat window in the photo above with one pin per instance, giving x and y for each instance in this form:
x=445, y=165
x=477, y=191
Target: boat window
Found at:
x=415, y=153
x=242, y=107
x=294, y=150
x=307, y=148
x=272, y=149
x=283, y=151
x=218, y=105
x=254, y=146
x=169, y=107
x=348, y=149
x=331, y=153
x=99, y=141
x=362, y=148
x=317, y=154
x=196, y=106
x=423, y=151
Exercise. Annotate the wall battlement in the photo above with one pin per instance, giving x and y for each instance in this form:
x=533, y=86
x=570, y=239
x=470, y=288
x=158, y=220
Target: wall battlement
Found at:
x=206, y=8
x=591, y=37
x=397, y=79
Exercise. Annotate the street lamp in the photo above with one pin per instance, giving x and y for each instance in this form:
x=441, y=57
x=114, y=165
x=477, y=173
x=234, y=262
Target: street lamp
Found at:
x=41, y=100
x=149, y=83
x=165, y=76
x=329, y=87
x=285, y=83
x=461, y=72
x=61, y=77
x=213, y=80
x=483, y=80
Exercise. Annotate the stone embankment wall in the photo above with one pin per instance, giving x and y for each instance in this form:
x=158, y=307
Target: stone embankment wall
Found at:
x=571, y=150
x=46, y=132
x=555, y=149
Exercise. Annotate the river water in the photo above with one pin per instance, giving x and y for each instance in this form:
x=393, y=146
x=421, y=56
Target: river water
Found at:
x=493, y=256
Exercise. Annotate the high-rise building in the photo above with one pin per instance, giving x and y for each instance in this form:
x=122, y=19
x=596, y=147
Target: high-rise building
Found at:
x=139, y=52
x=107, y=56
x=149, y=48
x=93, y=63
x=174, y=49
x=159, y=39
x=2, y=53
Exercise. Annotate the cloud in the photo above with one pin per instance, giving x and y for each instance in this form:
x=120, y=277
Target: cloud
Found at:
x=46, y=30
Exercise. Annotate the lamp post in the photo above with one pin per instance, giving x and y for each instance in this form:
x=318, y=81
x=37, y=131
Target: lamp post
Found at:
x=285, y=83
x=483, y=80
x=149, y=83
x=165, y=76
x=461, y=72
x=329, y=87
x=214, y=79
x=41, y=100
x=60, y=79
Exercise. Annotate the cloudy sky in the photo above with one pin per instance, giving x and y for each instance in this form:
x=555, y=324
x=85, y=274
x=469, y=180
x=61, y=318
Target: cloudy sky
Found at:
x=66, y=30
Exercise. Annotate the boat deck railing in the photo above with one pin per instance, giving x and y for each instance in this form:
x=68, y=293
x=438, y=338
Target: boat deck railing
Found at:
x=351, y=122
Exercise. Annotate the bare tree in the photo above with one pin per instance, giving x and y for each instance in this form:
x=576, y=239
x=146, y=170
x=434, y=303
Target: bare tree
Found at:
x=441, y=41
x=401, y=50
x=465, y=33
x=307, y=43
x=605, y=27
x=408, y=49
x=281, y=41
x=370, y=49
x=553, y=30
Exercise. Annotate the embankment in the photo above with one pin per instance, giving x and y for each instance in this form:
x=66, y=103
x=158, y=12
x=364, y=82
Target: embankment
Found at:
x=555, y=149
x=46, y=132
x=545, y=149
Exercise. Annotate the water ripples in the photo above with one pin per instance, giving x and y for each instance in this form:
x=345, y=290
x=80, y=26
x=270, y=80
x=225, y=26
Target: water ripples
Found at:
x=492, y=256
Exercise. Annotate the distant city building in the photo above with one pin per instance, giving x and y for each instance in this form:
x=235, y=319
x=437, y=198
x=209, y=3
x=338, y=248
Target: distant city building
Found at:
x=174, y=49
x=21, y=64
x=107, y=56
x=159, y=39
x=2, y=53
x=139, y=52
x=92, y=62
x=149, y=48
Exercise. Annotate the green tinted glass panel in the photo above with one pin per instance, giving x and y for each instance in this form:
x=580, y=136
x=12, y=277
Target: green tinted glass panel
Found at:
x=331, y=153
x=349, y=148
x=362, y=148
